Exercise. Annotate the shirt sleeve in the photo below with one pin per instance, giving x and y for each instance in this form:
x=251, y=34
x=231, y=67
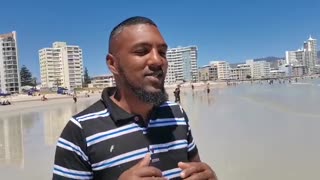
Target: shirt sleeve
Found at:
x=71, y=160
x=192, y=147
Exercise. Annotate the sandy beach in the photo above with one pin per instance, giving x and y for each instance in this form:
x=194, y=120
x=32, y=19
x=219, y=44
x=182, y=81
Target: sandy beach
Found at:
x=28, y=103
x=240, y=130
x=34, y=103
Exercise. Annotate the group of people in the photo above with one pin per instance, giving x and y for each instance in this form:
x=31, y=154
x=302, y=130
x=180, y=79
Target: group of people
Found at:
x=5, y=102
x=176, y=92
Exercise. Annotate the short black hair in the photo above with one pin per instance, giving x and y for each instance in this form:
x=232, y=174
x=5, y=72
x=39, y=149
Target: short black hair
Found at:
x=128, y=22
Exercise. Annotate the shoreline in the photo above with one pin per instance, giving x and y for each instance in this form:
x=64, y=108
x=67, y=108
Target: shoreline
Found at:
x=33, y=103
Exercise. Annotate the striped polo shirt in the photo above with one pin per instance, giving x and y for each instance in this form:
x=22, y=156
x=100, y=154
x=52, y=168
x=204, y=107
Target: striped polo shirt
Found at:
x=104, y=140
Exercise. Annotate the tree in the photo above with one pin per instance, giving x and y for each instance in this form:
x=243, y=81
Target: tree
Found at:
x=26, y=76
x=58, y=82
x=34, y=81
x=87, y=79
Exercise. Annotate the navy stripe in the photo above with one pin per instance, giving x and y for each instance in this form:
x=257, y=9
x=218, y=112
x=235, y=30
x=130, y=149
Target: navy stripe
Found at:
x=172, y=173
x=111, y=134
x=72, y=148
x=162, y=122
x=106, y=164
x=74, y=174
x=172, y=145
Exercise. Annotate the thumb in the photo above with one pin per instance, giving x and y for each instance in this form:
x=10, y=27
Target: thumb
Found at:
x=183, y=165
x=145, y=161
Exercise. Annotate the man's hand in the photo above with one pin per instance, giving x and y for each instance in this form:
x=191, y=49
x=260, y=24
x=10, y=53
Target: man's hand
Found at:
x=196, y=171
x=142, y=170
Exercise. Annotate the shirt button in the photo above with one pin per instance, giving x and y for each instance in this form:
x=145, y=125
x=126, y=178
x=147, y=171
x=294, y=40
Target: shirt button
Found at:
x=136, y=118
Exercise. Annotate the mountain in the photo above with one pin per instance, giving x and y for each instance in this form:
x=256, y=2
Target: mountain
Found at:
x=269, y=59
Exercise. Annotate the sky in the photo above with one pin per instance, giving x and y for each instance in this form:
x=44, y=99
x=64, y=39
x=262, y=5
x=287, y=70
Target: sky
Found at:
x=230, y=30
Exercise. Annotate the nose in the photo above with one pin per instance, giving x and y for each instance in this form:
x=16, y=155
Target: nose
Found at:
x=155, y=58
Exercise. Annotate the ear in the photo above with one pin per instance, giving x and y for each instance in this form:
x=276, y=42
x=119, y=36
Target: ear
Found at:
x=112, y=64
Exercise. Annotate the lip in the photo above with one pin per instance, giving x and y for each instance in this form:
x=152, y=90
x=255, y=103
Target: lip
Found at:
x=154, y=78
x=157, y=73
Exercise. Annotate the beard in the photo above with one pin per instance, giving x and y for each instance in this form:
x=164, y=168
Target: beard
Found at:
x=154, y=98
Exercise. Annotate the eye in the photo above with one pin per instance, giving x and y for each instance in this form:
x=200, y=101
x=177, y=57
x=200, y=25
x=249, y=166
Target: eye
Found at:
x=141, y=51
x=163, y=53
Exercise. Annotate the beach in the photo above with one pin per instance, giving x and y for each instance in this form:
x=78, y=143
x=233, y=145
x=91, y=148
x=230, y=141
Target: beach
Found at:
x=245, y=132
x=32, y=103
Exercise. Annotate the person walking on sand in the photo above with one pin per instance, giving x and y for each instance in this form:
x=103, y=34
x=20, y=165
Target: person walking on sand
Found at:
x=208, y=88
x=74, y=97
x=177, y=94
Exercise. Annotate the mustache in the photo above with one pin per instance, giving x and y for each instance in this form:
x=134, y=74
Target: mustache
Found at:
x=157, y=73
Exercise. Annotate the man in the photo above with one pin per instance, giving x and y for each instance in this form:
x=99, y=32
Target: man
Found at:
x=133, y=132
x=74, y=97
x=177, y=94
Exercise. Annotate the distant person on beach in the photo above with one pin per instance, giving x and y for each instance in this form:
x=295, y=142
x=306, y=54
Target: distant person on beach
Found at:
x=208, y=88
x=44, y=98
x=74, y=97
x=5, y=102
x=133, y=132
x=177, y=94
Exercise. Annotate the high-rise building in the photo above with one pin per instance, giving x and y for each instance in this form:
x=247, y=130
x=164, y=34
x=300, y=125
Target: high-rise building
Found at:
x=183, y=64
x=102, y=81
x=223, y=69
x=259, y=69
x=61, y=66
x=208, y=73
x=295, y=57
x=241, y=72
x=9, y=64
x=171, y=76
x=310, y=48
x=304, y=58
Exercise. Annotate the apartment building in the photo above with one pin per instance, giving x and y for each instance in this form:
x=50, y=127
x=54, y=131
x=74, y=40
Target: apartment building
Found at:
x=9, y=64
x=183, y=64
x=61, y=66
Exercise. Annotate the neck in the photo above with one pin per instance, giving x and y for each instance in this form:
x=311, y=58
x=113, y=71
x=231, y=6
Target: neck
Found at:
x=131, y=103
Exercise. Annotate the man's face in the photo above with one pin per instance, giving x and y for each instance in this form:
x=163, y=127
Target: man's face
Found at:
x=141, y=55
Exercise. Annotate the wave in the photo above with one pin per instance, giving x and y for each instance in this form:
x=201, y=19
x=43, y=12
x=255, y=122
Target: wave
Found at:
x=303, y=84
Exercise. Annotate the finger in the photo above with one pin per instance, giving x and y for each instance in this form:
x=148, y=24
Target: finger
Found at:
x=205, y=175
x=199, y=176
x=183, y=165
x=148, y=171
x=191, y=170
x=145, y=161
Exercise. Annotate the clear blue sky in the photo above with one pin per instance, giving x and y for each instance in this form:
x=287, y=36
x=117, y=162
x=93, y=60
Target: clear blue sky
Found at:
x=222, y=29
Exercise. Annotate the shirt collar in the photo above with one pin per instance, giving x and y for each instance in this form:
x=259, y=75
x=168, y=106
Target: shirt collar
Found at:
x=119, y=115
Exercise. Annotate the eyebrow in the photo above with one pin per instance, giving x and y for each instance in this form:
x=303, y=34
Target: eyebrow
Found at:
x=163, y=45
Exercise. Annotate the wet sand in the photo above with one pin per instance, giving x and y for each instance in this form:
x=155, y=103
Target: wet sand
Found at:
x=35, y=104
x=244, y=132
